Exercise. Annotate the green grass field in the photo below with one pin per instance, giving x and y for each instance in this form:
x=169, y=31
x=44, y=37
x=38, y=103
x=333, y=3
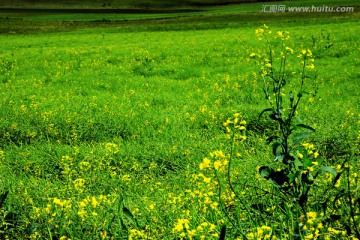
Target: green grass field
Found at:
x=106, y=117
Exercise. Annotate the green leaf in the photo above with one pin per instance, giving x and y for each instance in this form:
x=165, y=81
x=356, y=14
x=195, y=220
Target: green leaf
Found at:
x=127, y=213
x=292, y=176
x=308, y=163
x=305, y=126
x=281, y=111
x=298, y=137
x=304, y=92
x=297, y=117
x=287, y=210
x=274, y=183
x=265, y=171
x=319, y=160
x=120, y=203
x=301, y=93
x=265, y=110
x=279, y=158
x=275, y=147
x=266, y=93
x=298, y=163
x=329, y=170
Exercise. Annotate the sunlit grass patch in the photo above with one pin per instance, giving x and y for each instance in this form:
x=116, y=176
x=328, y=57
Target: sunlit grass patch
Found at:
x=113, y=135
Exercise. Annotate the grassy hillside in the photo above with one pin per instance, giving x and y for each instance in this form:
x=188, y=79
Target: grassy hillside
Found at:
x=150, y=4
x=55, y=18
x=118, y=126
x=119, y=3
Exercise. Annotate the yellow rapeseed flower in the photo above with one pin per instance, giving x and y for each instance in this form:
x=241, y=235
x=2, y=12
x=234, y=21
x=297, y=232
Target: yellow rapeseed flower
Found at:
x=309, y=53
x=225, y=124
x=290, y=50
x=333, y=230
x=241, y=128
x=320, y=225
x=180, y=225
x=305, y=145
x=94, y=202
x=310, y=236
x=64, y=238
x=214, y=205
x=205, y=163
x=207, y=180
x=58, y=202
x=338, y=182
x=311, y=66
x=82, y=214
x=217, y=164
x=126, y=178
x=79, y=183
x=311, y=216
x=83, y=204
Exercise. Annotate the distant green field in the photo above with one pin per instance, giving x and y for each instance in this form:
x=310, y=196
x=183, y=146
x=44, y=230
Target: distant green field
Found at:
x=157, y=3
x=119, y=3
x=39, y=18
x=106, y=117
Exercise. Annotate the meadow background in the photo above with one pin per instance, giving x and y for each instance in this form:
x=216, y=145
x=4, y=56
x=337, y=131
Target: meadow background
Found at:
x=105, y=117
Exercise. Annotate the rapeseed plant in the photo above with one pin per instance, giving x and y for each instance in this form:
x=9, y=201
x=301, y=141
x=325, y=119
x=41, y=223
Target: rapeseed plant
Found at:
x=294, y=181
x=98, y=163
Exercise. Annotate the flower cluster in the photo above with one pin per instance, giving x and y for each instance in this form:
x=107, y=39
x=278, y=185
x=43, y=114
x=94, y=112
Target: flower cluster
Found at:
x=309, y=156
x=235, y=126
x=218, y=161
x=263, y=232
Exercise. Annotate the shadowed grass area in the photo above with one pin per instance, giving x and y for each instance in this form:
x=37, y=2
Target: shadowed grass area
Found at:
x=15, y=22
x=51, y=11
x=120, y=3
